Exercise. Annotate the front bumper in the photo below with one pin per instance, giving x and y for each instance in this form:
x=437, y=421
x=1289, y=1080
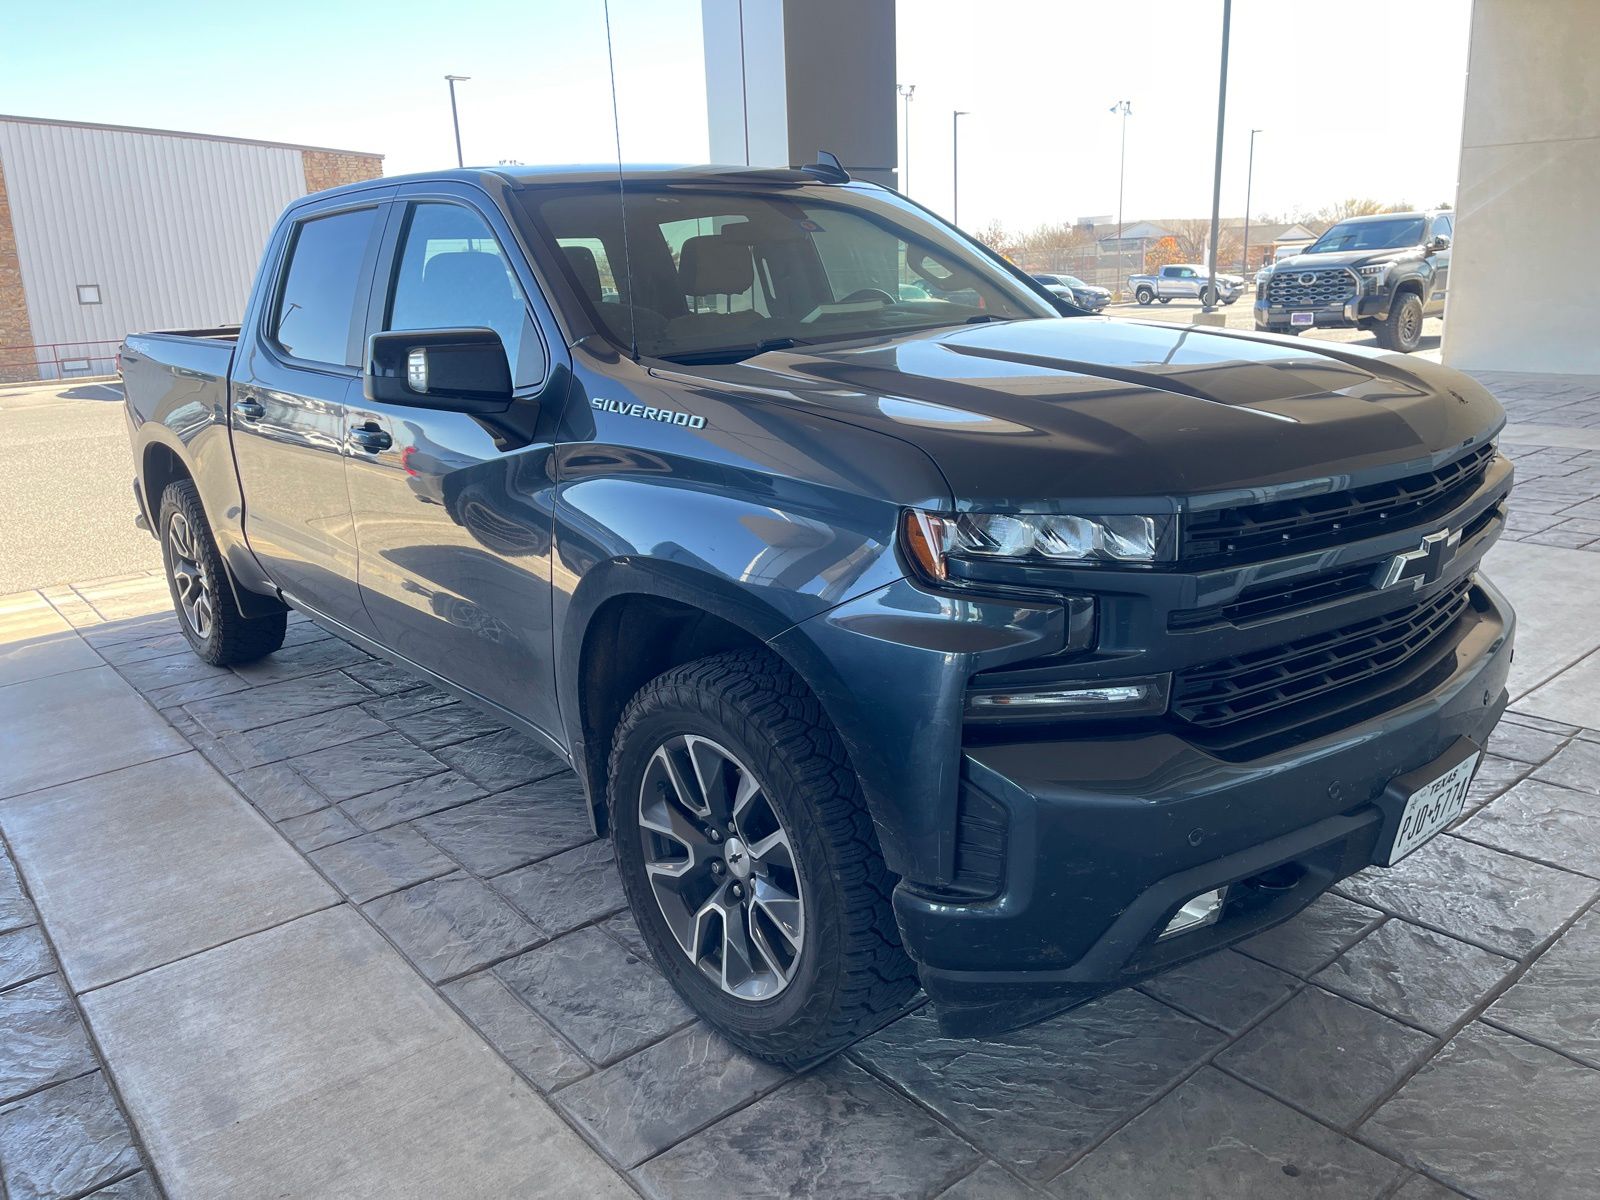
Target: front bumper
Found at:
x=1106, y=837
x=1346, y=315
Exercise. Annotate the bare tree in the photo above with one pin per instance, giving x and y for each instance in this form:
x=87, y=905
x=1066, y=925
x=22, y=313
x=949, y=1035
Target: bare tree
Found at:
x=995, y=236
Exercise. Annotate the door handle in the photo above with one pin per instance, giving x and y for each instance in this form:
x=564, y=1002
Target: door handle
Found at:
x=249, y=410
x=371, y=438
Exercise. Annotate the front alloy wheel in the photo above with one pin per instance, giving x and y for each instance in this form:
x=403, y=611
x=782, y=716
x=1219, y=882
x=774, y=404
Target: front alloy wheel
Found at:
x=721, y=867
x=750, y=860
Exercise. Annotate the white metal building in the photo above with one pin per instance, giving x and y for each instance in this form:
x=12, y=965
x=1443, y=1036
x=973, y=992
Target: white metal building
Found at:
x=114, y=229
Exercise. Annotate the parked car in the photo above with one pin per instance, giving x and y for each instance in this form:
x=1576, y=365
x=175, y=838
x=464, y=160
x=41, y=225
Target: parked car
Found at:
x=1183, y=280
x=939, y=640
x=1383, y=273
x=1070, y=287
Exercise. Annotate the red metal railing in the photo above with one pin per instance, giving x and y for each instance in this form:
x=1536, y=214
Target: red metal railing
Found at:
x=58, y=360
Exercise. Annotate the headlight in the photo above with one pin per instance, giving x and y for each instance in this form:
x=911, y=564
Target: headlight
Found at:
x=1375, y=272
x=1033, y=539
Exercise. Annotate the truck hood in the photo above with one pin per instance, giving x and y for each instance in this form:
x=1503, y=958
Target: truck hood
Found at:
x=1347, y=258
x=1030, y=414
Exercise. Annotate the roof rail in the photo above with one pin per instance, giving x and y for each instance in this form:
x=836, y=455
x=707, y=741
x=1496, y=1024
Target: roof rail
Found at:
x=828, y=168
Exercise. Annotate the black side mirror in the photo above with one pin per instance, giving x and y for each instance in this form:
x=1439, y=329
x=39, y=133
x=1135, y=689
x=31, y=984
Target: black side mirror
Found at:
x=454, y=370
x=1437, y=243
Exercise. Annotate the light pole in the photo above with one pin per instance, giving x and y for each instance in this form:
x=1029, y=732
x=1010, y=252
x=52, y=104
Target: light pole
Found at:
x=454, y=119
x=1249, y=178
x=955, y=165
x=1208, y=290
x=1125, y=107
x=905, y=90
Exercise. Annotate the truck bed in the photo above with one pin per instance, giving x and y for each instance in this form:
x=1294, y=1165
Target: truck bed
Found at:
x=163, y=370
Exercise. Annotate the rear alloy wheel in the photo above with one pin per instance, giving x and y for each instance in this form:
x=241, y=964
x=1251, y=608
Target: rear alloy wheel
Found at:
x=194, y=594
x=1402, y=329
x=750, y=861
x=1144, y=295
x=207, y=612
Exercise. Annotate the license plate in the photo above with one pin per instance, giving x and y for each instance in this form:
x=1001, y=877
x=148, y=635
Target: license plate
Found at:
x=1431, y=808
x=1302, y=318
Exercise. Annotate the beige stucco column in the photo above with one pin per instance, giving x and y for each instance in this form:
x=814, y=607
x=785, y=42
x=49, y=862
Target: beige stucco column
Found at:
x=786, y=78
x=1522, y=285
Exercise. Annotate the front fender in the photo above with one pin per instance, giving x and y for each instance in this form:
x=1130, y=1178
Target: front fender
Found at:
x=891, y=670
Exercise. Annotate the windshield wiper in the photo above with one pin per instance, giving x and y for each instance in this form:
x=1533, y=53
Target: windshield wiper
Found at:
x=732, y=354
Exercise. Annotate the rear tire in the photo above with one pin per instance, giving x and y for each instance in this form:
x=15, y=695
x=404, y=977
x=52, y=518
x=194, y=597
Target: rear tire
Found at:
x=1402, y=329
x=202, y=594
x=689, y=746
x=1144, y=295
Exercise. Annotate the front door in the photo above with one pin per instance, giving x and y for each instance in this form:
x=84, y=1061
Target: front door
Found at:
x=1443, y=223
x=453, y=515
x=289, y=413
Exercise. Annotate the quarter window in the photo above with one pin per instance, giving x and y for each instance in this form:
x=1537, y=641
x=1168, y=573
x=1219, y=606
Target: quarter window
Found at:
x=452, y=274
x=318, y=302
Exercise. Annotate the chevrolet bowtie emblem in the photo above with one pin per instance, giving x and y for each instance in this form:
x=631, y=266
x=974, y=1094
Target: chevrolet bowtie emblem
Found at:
x=1425, y=564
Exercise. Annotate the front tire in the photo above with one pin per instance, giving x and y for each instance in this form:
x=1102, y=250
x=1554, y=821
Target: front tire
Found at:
x=202, y=596
x=749, y=859
x=1402, y=329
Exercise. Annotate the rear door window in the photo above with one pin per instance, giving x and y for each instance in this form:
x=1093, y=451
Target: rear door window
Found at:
x=317, y=303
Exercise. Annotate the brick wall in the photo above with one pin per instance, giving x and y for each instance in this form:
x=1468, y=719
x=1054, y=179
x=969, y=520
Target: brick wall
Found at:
x=15, y=329
x=334, y=168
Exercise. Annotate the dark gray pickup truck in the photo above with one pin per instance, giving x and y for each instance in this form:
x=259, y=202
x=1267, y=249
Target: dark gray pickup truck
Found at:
x=1382, y=273
x=900, y=628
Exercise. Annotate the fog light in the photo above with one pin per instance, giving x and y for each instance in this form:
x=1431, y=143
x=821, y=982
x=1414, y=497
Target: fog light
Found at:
x=1022, y=697
x=1200, y=911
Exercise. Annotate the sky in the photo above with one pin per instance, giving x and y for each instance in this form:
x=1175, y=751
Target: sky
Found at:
x=1353, y=97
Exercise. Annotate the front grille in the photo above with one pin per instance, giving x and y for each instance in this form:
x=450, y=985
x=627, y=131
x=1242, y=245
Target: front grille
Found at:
x=1326, y=287
x=1277, y=598
x=1252, y=685
x=1281, y=527
x=1265, y=600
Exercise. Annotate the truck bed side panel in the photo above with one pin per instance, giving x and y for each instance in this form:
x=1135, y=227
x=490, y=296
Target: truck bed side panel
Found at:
x=176, y=389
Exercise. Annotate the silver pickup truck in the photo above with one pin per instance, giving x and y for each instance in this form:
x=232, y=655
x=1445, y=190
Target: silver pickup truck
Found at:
x=1183, y=280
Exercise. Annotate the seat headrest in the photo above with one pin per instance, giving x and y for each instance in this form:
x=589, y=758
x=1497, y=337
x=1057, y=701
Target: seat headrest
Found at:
x=581, y=260
x=712, y=265
x=467, y=271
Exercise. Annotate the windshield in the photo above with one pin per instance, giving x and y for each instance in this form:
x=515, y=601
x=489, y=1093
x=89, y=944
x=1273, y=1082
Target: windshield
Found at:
x=724, y=270
x=1394, y=234
x=1073, y=281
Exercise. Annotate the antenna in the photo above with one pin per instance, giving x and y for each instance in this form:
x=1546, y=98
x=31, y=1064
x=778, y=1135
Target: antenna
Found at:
x=828, y=168
x=622, y=195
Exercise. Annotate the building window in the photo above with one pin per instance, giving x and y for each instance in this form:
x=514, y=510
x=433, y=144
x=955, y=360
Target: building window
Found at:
x=88, y=293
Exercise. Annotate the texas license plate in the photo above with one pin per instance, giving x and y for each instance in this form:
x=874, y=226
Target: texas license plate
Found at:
x=1302, y=318
x=1430, y=808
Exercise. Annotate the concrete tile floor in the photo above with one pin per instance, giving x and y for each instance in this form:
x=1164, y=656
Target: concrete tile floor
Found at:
x=1429, y=1031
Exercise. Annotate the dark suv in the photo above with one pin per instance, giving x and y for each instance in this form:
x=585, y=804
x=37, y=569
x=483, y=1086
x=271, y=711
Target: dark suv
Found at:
x=898, y=629
x=1383, y=273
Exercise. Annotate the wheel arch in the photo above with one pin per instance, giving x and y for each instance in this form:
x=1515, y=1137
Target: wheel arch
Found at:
x=161, y=464
x=637, y=620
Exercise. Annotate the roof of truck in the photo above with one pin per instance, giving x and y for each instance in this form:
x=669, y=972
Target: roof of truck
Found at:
x=520, y=176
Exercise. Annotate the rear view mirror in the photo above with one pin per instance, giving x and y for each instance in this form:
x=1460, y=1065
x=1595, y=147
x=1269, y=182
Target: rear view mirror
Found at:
x=455, y=370
x=1437, y=243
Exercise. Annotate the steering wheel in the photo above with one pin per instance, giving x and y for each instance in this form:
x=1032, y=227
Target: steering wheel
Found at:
x=862, y=295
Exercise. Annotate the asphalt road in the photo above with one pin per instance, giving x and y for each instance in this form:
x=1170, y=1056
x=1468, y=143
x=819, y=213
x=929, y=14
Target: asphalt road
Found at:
x=66, y=510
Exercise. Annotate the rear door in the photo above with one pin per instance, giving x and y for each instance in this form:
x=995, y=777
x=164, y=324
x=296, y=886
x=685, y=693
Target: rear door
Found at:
x=454, y=515
x=293, y=377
